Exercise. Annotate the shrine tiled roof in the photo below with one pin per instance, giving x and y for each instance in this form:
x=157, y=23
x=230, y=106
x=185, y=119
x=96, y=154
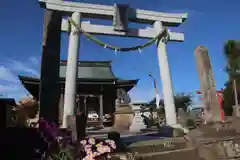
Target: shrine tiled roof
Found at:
x=90, y=70
x=89, y=73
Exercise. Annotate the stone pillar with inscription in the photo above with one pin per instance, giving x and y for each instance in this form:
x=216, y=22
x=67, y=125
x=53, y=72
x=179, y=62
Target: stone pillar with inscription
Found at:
x=215, y=140
x=207, y=85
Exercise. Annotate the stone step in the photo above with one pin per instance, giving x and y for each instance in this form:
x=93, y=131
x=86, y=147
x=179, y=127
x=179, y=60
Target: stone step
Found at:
x=160, y=145
x=190, y=153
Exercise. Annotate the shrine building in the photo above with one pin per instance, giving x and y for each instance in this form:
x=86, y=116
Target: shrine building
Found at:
x=96, y=86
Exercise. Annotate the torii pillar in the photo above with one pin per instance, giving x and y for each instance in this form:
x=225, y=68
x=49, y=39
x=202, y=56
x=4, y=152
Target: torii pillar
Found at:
x=170, y=110
x=72, y=71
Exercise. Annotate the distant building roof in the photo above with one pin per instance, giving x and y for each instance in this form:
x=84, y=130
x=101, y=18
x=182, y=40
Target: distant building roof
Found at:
x=140, y=103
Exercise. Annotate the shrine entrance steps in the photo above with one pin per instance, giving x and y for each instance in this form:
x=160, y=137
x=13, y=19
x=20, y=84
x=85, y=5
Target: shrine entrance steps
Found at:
x=165, y=149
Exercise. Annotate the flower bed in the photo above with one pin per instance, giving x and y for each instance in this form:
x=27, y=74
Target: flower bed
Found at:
x=48, y=142
x=62, y=147
x=92, y=148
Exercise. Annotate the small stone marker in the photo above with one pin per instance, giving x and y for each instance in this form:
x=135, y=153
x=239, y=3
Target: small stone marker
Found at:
x=137, y=122
x=182, y=117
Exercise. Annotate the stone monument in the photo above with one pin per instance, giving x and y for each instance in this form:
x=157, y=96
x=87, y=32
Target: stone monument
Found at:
x=207, y=85
x=214, y=140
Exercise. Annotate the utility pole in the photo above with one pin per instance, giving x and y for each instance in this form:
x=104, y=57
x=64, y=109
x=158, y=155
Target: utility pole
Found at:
x=157, y=97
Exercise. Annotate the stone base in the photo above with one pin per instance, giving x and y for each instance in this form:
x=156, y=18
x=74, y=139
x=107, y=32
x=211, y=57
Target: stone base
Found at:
x=236, y=111
x=160, y=145
x=123, y=119
x=190, y=153
x=164, y=149
x=217, y=141
x=168, y=131
x=137, y=122
x=208, y=142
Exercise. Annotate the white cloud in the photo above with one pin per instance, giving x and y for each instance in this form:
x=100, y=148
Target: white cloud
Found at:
x=34, y=60
x=7, y=75
x=10, y=85
x=23, y=67
x=16, y=95
x=12, y=90
x=141, y=94
x=9, y=88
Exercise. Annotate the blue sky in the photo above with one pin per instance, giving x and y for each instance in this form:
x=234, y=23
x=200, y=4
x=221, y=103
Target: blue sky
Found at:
x=210, y=23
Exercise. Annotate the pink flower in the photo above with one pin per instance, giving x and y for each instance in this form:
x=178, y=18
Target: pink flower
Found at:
x=107, y=141
x=90, y=153
x=87, y=148
x=100, y=149
x=83, y=142
x=99, y=144
x=89, y=157
x=107, y=149
x=95, y=154
x=112, y=144
x=91, y=141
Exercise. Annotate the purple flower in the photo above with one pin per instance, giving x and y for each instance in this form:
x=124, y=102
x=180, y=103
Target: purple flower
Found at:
x=50, y=131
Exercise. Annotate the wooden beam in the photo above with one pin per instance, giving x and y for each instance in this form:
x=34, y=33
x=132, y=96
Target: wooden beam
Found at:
x=147, y=33
x=107, y=12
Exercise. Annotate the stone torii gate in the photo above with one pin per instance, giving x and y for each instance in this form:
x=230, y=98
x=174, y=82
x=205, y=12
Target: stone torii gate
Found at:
x=78, y=11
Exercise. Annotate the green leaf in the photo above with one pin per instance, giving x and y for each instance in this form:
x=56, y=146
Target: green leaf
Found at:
x=56, y=157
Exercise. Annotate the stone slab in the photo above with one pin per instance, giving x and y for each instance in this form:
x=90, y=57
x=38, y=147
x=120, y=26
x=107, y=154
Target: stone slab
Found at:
x=160, y=145
x=190, y=154
x=217, y=141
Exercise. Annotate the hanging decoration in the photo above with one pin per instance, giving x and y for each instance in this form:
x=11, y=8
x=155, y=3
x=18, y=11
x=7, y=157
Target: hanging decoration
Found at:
x=162, y=34
x=158, y=98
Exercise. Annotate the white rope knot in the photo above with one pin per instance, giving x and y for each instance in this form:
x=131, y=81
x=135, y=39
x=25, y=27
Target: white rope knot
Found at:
x=75, y=31
x=165, y=39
